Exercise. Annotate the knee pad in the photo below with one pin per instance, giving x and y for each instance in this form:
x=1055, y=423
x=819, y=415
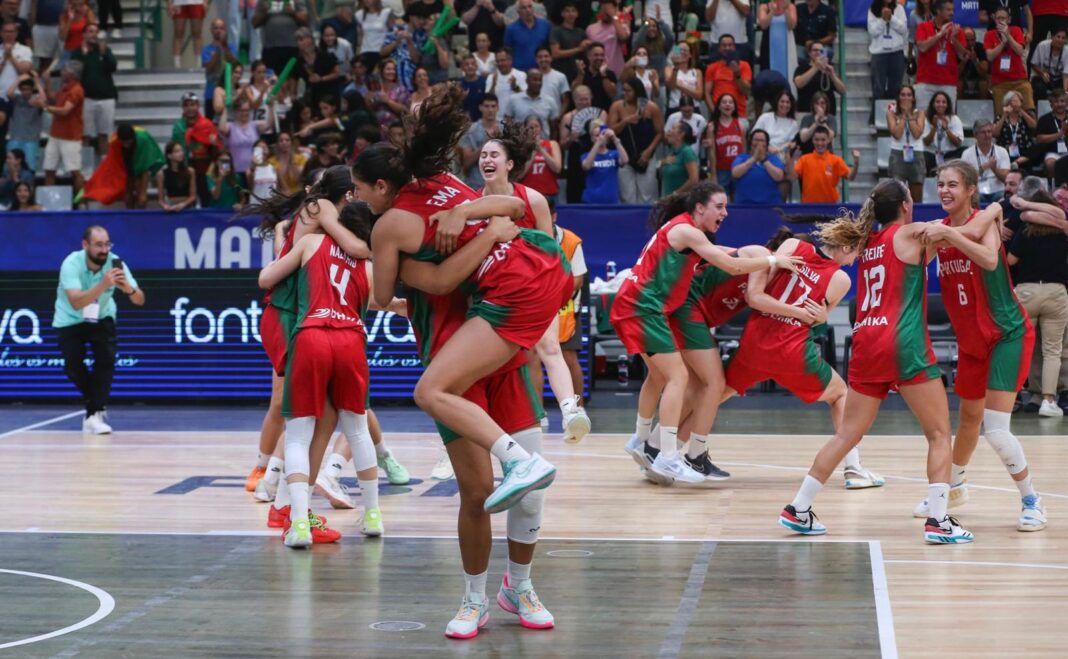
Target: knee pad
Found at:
x=298, y=443
x=524, y=519
x=1005, y=444
x=355, y=428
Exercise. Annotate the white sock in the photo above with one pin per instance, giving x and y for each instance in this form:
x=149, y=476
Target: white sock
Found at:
x=569, y=406
x=1026, y=487
x=334, y=464
x=810, y=487
x=298, y=494
x=852, y=459
x=381, y=450
x=281, y=497
x=517, y=573
x=475, y=585
x=957, y=475
x=507, y=449
x=654, y=437
x=261, y=460
x=274, y=470
x=698, y=445
x=643, y=427
x=669, y=436
x=938, y=500
x=369, y=493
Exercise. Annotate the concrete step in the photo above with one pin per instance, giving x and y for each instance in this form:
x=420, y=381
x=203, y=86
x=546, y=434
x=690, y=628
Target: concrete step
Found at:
x=148, y=114
x=163, y=79
x=144, y=98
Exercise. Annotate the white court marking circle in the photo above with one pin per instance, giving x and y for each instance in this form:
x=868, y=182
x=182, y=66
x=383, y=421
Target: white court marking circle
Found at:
x=107, y=605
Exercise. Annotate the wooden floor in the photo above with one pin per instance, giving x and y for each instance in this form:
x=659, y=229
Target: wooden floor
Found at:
x=1004, y=595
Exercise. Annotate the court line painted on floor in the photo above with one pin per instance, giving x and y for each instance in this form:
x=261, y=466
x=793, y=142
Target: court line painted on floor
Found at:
x=41, y=424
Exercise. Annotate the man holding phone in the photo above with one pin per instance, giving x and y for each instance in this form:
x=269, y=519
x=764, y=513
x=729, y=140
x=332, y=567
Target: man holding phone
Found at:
x=85, y=315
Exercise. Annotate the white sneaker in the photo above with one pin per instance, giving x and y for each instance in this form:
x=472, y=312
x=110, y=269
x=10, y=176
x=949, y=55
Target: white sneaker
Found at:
x=95, y=425
x=116, y=33
x=859, y=478
x=946, y=532
x=958, y=496
x=334, y=491
x=675, y=468
x=635, y=448
x=523, y=601
x=1033, y=515
x=577, y=426
x=1049, y=408
x=442, y=471
x=265, y=491
x=472, y=616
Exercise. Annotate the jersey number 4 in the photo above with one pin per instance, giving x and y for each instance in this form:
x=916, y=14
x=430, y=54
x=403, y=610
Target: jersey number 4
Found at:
x=873, y=287
x=342, y=284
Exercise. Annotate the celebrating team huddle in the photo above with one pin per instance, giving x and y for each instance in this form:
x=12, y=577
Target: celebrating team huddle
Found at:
x=483, y=282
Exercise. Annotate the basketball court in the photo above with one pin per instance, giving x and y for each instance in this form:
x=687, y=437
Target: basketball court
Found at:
x=144, y=543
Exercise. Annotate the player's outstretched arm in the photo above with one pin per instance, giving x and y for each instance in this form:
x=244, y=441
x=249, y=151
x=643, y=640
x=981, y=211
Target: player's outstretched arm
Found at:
x=279, y=269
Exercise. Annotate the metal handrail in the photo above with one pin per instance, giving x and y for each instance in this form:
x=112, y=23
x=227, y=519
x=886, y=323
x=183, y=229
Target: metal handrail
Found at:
x=151, y=15
x=843, y=113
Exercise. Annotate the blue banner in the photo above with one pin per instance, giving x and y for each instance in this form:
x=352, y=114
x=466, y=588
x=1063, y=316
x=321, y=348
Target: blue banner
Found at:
x=965, y=12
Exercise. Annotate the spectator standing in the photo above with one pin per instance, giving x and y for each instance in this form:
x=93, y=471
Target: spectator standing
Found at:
x=28, y=100
x=576, y=140
x=921, y=13
x=1019, y=14
x=1047, y=15
x=65, y=137
x=85, y=314
x=318, y=68
x=98, y=68
x=940, y=42
x=505, y=81
x=730, y=18
x=375, y=23
x=595, y=74
x=346, y=28
x=112, y=9
x=945, y=132
x=176, y=183
x=72, y=24
x=780, y=124
x=15, y=172
x=821, y=171
x=1052, y=131
x=602, y=164
x=679, y=167
x=200, y=138
x=817, y=74
x=186, y=13
x=390, y=101
x=568, y=42
x=1015, y=130
x=758, y=173
x=640, y=126
x=554, y=85
x=17, y=59
x=612, y=32
x=778, y=19
x=973, y=79
x=278, y=22
x=725, y=139
x=544, y=166
x=214, y=58
x=10, y=11
x=526, y=35
x=1004, y=50
x=473, y=84
x=257, y=89
x=242, y=134
x=289, y=162
x=533, y=103
x=477, y=135
x=889, y=31
x=651, y=37
x=687, y=114
x=1048, y=65
x=816, y=23
x=262, y=176
x=340, y=48
x=730, y=74
x=682, y=79
x=820, y=116
x=420, y=88
x=638, y=67
x=907, y=124
x=218, y=99
x=991, y=160
x=44, y=17
x=224, y=187
x=483, y=17
x=485, y=58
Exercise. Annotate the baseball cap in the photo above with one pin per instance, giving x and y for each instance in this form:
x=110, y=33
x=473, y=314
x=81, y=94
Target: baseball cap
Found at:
x=190, y=96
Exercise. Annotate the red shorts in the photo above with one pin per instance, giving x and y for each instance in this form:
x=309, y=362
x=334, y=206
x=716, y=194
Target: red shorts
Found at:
x=520, y=310
x=1004, y=368
x=805, y=376
x=881, y=389
x=194, y=12
x=274, y=338
x=510, y=399
x=322, y=363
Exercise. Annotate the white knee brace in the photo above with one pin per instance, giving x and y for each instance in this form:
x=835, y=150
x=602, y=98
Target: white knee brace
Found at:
x=524, y=519
x=298, y=443
x=1004, y=443
x=356, y=431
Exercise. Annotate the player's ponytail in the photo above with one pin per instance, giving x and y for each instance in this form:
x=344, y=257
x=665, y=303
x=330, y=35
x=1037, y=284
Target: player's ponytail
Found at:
x=844, y=231
x=780, y=236
x=334, y=184
x=682, y=202
x=358, y=218
x=883, y=204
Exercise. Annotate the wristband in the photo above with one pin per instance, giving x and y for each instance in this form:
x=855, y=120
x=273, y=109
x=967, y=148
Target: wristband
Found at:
x=771, y=262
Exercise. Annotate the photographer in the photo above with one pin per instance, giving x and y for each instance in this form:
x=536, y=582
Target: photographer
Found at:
x=85, y=314
x=98, y=66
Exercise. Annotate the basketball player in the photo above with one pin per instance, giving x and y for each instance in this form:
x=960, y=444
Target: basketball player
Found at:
x=994, y=335
x=891, y=349
x=657, y=287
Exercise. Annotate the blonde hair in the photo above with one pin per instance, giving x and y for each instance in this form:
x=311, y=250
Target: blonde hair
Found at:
x=845, y=231
x=967, y=172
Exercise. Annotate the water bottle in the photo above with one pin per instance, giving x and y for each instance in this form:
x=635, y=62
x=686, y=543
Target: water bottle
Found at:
x=623, y=366
x=610, y=270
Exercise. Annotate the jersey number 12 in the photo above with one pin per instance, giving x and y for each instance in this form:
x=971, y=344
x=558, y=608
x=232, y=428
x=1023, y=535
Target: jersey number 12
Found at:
x=873, y=287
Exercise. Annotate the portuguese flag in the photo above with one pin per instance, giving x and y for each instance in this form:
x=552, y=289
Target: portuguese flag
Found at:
x=108, y=183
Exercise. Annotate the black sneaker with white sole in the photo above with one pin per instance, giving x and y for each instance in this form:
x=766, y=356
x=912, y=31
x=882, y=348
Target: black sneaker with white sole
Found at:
x=703, y=465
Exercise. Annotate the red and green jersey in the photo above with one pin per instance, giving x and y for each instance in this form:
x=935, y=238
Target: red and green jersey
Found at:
x=981, y=304
x=522, y=192
x=890, y=338
x=719, y=295
x=332, y=289
x=660, y=280
x=283, y=295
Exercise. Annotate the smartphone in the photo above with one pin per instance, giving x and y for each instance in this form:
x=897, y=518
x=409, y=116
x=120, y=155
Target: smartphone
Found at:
x=117, y=263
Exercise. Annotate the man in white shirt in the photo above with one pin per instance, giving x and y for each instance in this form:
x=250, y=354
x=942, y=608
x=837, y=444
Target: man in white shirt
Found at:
x=532, y=102
x=991, y=160
x=505, y=81
x=729, y=17
x=554, y=84
x=16, y=60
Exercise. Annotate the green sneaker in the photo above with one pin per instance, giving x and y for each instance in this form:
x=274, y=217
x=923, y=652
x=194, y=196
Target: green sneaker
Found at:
x=299, y=534
x=372, y=523
x=396, y=474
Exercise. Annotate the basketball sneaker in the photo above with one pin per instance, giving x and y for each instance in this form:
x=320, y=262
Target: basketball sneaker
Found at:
x=946, y=532
x=704, y=466
x=524, y=602
x=321, y=534
x=253, y=478
x=859, y=478
x=676, y=469
x=1033, y=515
x=1050, y=409
x=371, y=525
x=396, y=474
x=265, y=492
x=442, y=471
x=958, y=496
x=472, y=616
x=577, y=425
x=804, y=522
x=94, y=424
x=277, y=517
x=636, y=448
x=298, y=535
x=334, y=491
x=520, y=477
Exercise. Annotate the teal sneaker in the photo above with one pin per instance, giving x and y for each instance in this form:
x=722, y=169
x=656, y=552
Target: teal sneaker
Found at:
x=396, y=474
x=520, y=477
x=472, y=616
x=524, y=602
x=945, y=532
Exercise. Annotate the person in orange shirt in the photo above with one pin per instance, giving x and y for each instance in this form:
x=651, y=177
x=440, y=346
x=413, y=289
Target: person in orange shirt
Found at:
x=821, y=171
x=728, y=75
